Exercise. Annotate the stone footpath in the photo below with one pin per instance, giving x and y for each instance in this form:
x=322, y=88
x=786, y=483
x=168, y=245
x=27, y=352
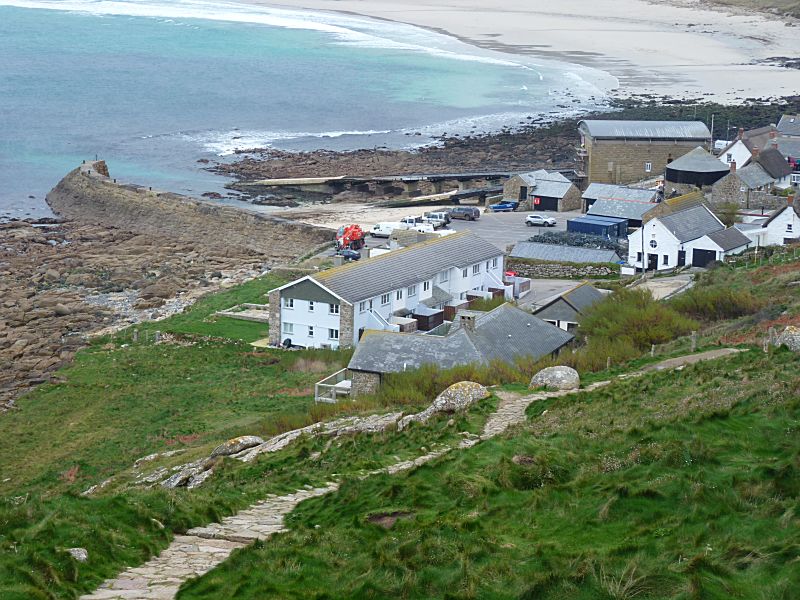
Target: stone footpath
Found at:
x=203, y=548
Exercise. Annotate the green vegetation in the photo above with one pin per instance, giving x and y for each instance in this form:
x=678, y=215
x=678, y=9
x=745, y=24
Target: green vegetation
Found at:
x=681, y=485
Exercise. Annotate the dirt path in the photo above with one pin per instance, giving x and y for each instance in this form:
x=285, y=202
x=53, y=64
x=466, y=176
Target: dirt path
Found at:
x=203, y=548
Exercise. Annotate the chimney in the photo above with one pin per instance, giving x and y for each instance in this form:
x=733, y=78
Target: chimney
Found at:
x=755, y=152
x=790, y=200
x=733, y=166
x=741, y=133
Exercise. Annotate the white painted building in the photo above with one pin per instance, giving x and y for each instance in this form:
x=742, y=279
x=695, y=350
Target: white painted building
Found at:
x=782, y=227
x=693, y=236
x=332, y=308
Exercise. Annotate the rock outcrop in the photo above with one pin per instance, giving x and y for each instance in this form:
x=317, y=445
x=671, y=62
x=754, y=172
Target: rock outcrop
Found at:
x=789, y=337
x=458, y=396
x=556, y=378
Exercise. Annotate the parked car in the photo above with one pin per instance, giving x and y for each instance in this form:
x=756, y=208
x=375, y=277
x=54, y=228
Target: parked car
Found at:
x=468, y=213
x=348, y=254
x=540, y=221
x=384, y=230
x=438, y=219
x=504, y=206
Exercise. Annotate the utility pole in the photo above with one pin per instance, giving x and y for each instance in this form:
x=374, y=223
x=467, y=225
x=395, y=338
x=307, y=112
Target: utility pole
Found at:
x=712, y=132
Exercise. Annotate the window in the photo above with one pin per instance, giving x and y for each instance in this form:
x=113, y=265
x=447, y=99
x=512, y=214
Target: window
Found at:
x=665, y=262
x=310, y=306
x=648, y=167
x=464, y=272
x=310, y=331
x=333, y=334
x=463, y=295
x=333, y=309
x=399, y=294
x=444, y=276
x=488, y=265
x=288, y=328
x=362, y=307
x=653, y=244
x=729, y=158
x=788, y=228
x=638, y=257
x=795, y=177
x=288, y=303
x=494, y=263
x=476, y=269
x=426, y=286
x=412, y=291
x=386, y=298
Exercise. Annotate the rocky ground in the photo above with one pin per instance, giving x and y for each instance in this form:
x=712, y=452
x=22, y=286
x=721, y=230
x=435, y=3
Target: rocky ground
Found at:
x=62, y=281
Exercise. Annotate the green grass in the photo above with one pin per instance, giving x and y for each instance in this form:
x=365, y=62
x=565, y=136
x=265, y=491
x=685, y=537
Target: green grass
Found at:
x=691, y=494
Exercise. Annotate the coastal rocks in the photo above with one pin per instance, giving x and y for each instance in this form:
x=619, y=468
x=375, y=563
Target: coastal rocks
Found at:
x=458, y=396
x=556, y=378
x=79, y=554
x=789, y=337
x=236, y=445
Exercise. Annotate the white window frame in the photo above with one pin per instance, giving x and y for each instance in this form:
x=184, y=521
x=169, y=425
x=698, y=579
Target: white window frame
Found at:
x=310, y=306
x=494, y=263
x=287, y=328
x=398, y=295
x=362, y=307
x=665, y=262
x=386, y=299
x=333, y=334
x=444, y=276
x=310, y=331
x=426, y=285
x=465, y=272
x=412, y=291
x=476, y=269
x=648, y=167
x=288, y=303
x=729, y=158
x=789, y=228
x=333, y=309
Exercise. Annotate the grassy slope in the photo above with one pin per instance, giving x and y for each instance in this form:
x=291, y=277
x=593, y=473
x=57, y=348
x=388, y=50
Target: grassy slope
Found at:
x=692, y=493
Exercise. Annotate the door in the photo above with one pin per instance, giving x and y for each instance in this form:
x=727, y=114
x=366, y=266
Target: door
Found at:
x=681, y=258
x=700, y=258
x=652, y=262
x=545, y=204
x=523, y=192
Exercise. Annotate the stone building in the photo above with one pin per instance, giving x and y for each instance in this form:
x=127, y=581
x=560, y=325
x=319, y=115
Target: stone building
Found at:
x=753, y=185
x=543, y=190
x=694, y=170
x=631, y=151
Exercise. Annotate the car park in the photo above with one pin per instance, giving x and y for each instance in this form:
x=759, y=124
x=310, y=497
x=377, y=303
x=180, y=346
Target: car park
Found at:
x=348, y=254
x=539, y=221
x=384, y=230
x=467, y=213
x=505, y=206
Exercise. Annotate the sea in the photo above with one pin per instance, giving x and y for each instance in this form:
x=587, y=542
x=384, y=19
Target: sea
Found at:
x=157, y=88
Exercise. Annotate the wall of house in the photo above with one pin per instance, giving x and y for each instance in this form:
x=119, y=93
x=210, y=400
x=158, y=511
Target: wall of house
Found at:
x=363, y=383
x=731, y=190
x=305, y=314
x=738, y=152
x=571, y=201
x=512, y=187
x=627, y=158
x=667, y=245
x=785, y=225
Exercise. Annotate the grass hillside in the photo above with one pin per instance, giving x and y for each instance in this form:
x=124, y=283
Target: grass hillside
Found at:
x=610, y=491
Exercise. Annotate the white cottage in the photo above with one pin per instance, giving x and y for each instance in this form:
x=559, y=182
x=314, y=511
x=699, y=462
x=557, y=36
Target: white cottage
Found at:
x=693, y=236
x=392, y=292
x=782, y=227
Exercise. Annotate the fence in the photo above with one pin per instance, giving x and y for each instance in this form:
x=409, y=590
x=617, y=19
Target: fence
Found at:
x=769, y=255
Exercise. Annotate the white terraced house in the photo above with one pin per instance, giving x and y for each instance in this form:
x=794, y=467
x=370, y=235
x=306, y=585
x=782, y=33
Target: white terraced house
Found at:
x=404, y=290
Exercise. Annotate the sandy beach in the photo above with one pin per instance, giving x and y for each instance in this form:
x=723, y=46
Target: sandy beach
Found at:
x=679, y=48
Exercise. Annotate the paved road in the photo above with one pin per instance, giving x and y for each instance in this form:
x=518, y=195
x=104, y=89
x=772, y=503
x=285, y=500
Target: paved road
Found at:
x=661, y=287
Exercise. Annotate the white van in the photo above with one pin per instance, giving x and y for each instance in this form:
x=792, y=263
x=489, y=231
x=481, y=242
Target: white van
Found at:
x=384, y=230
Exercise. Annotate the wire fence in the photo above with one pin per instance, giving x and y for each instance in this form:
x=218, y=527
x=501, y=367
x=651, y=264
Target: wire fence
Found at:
x=770, y=255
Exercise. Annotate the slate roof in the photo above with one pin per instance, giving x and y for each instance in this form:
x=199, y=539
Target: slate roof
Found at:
x=653, y=130
x=789, y=147
x=550, y=184
x=698, y=161
x=729, y=239
x=754, y=176
x=556, y=253
x=692, y=223
x=624, y=209
x=607, y=191
x=774, y=163
x=504, y=333
x=571, y=304
x=394, y=270
x=789, y=125
x=438, y=296
x=583, y=296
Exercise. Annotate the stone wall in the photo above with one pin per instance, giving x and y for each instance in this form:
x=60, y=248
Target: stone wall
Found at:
x=573, y=200
x=550, y=270
x=728, y=190
x=275, y=317
x=346, y=325
x=364, y=383
x=628, y=159
x=87, y=195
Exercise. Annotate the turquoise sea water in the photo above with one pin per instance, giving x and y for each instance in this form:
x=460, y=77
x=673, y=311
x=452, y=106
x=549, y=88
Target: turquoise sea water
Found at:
x=153, y=87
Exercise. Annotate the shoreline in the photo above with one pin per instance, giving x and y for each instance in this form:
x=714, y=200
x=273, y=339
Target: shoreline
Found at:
x=680, y=49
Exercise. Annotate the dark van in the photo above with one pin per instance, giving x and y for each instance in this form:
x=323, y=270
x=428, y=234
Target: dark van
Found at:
x=468, y=213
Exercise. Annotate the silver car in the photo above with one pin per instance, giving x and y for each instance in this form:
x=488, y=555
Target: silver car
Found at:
x=540, y=221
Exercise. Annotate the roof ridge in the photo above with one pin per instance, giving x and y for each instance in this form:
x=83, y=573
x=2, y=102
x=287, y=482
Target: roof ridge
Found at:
x=352, y=265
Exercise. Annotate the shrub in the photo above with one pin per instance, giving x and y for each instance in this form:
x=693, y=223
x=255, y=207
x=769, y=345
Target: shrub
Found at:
x=715, y=303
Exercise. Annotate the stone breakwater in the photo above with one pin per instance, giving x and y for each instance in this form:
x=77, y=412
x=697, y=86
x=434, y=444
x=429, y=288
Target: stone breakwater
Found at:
x=87, y=194
x=125, y=255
